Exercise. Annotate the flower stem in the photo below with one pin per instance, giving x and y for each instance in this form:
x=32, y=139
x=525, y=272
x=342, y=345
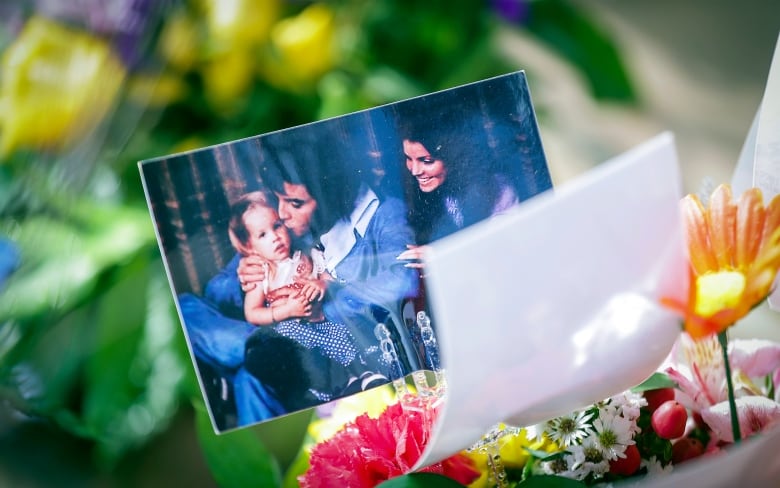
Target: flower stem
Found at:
x=724, y=343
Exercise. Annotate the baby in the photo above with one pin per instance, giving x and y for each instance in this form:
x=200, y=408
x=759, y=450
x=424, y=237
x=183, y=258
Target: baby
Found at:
x=290, y=298
x=291, y=287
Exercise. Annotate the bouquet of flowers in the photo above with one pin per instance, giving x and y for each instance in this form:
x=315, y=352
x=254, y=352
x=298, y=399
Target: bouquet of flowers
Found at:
x=709, y=395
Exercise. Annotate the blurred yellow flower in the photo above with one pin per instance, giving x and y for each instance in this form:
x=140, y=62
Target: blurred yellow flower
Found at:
x=179, y=42
x=512, y=449
x=302, y=48
x=373, y=402
x=189, y=144
x=156, y=90
x=56, y=85
x=239, y=23
x=734, y=252
x=227, y=78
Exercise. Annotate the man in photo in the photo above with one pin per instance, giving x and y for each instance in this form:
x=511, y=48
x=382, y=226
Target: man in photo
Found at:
x=327, y=208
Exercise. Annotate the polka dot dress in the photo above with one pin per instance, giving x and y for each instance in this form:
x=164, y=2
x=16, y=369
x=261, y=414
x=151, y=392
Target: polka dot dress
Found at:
x=333, y=340
x=330, y=338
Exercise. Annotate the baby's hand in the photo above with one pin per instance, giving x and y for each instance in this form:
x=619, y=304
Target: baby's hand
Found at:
x=298, y=306
x=313, y=290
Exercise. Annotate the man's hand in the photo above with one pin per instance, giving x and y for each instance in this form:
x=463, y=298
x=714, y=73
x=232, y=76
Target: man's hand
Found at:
x=252, y=270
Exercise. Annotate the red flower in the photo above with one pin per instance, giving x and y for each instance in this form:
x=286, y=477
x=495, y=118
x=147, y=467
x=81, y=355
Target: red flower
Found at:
x=369, y=451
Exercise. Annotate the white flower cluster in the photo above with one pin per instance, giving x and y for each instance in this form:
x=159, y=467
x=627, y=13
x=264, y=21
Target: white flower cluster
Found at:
x=591, y=437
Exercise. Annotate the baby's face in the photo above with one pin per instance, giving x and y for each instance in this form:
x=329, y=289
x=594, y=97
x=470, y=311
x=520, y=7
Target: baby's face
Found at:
x=268, y=237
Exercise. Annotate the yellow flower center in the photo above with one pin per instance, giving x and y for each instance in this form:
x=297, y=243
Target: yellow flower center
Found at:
x=718, y=291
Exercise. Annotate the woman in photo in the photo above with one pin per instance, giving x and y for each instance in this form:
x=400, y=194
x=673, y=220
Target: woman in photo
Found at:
x=450, y=181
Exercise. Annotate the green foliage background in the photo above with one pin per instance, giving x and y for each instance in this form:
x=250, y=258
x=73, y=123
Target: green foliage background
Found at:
x=96, y=385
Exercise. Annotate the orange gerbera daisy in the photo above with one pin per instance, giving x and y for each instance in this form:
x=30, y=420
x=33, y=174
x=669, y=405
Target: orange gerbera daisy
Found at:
x=734, y=253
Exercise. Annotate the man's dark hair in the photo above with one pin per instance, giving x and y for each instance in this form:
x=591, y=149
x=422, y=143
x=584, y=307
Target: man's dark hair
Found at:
x=318, y=157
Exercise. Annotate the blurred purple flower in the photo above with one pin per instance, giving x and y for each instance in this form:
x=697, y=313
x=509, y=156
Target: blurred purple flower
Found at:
x=11, y=22
x=9, y=259
x=128, y=23
x=515, y=11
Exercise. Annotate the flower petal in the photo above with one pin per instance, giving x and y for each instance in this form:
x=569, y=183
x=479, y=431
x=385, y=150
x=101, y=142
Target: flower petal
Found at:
x=755, y=413
x=754, y=357
x=695, y=325
x=688, y=393
x=367, y=451
x=769, y=254
x=750, y=225
x=776, y=381
x=722, y=219
x=759, y=285
x=697, y=230
x=771, y=221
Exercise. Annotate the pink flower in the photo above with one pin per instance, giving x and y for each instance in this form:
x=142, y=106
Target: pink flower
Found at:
x=697, y=368
x=755, y=414
x=755, y=357
x=369, y=451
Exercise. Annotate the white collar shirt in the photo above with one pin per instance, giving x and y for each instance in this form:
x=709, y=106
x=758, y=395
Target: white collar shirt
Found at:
x=341, y=238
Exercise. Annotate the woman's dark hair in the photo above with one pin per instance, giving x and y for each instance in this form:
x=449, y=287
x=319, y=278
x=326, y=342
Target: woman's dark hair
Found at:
x=457, y=134
x=317, y=157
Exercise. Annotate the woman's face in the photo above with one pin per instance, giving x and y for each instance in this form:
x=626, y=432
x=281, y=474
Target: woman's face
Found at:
x=429, y=172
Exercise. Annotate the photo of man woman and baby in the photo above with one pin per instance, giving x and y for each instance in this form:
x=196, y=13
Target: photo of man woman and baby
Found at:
x=285, y=251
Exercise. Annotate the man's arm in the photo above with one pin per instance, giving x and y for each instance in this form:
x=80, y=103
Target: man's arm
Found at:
x=371, y=275
x=371, y=286
x=224, y=290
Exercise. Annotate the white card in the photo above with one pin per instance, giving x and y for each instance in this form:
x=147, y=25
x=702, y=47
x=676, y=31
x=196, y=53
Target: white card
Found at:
x=742, y=178
x=759, y=161
x=555, y=306
x=766, y=172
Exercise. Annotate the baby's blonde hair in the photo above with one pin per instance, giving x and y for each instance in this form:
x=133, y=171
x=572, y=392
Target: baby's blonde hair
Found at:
x=239, y=235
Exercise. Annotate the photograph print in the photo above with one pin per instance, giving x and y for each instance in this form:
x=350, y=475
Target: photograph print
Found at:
x=297, y=258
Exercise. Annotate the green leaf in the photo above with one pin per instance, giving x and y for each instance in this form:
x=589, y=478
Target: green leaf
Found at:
x=298, y=467
x=383, y=84
x=285, y=435
x=236, y=459
x=579, y=39
x=550, y=481
x=649, y=443
x=133, y=373
x=544, y=455
x=655, y=382
x=440, y=33
x=420, y=480
x=44, y=367
x=481, y=61
x=62, y=260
